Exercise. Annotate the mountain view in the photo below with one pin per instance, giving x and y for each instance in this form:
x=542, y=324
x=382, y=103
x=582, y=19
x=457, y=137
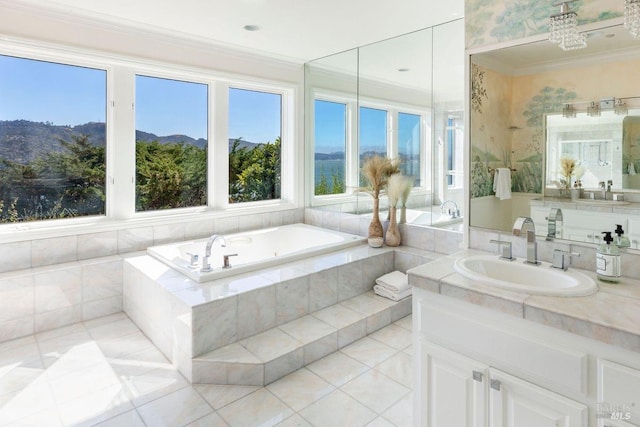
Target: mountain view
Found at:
x=23, y=141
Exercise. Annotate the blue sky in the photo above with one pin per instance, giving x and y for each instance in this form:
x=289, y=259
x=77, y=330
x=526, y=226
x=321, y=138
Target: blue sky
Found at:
x=67, y=95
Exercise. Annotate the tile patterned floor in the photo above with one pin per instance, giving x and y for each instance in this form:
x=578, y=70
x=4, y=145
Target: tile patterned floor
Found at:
x=106, y=372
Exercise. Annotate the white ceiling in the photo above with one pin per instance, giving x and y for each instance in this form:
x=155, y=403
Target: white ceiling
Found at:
x=297, y=30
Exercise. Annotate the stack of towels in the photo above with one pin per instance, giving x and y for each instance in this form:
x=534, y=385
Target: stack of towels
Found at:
x=394, y=285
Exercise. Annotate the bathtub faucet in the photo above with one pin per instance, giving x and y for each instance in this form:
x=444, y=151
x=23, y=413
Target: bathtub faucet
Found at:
x=206, y=265
x=453, y=213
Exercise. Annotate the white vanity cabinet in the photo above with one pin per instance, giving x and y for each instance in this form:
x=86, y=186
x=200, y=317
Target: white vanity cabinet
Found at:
x=479, y=367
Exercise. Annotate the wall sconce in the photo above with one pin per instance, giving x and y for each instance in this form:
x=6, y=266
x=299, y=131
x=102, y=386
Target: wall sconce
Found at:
x=632, y=17
x=568, y=111
x=593, y=110
x=620, y=108
x=563, y=28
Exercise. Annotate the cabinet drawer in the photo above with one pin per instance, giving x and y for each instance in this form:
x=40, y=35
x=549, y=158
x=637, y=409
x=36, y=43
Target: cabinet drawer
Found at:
x=618, y=393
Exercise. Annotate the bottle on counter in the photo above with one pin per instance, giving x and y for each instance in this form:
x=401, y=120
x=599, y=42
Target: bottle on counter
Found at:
x=621, y=240
x=608, y=259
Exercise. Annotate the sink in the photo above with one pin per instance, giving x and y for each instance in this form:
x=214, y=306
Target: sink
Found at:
x=518, y=276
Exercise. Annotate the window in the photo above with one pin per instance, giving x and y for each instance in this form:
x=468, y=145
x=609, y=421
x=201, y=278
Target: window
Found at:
x=255, y=127
x=372, y=134
x=330, y=141
x=409, y=145
x=454, y=139
x=171, y=144
x=52, y=140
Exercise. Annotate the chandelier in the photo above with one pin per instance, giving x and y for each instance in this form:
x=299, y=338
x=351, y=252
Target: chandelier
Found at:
x=563, y=28
x=632, y=17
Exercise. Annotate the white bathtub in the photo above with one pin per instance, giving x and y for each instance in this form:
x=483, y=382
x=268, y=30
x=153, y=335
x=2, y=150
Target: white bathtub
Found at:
x=255, y=250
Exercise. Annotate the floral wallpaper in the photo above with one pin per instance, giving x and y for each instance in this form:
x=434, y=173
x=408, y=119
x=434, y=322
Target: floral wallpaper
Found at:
x=493, y=21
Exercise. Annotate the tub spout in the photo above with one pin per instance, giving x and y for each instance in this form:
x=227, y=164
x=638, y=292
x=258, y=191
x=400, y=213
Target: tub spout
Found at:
x=206, y=265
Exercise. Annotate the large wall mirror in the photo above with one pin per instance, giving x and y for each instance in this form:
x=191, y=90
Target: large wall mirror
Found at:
x=400, y=98
x=533, y=105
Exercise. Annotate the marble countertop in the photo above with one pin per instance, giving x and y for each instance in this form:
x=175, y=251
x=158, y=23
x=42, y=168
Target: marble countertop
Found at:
x=626, y=206
x=611, y=315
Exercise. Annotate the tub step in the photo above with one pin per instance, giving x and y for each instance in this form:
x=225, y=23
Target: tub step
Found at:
x=270, y=355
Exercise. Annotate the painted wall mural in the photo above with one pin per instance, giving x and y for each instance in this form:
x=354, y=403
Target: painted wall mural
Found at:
x=493, y=21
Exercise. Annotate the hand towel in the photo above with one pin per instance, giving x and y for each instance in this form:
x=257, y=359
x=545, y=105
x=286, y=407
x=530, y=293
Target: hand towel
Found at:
x=632, y=168
x=396, y=281
x=384, y=292
x=502, y=183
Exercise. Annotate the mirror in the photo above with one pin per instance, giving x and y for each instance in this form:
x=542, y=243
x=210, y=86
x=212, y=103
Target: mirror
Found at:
x=604, y=148
x=517, y=99
x=401, y=98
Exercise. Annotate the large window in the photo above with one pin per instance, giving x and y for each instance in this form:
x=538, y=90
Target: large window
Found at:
x=330, y=143
x=171, y=144
x=52, y=140
x=372, y=134
x=255, y=128
x=409, y=145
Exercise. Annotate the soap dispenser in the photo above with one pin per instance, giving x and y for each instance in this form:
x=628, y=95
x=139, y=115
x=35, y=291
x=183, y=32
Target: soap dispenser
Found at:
x=608, y=259
x=621, y=240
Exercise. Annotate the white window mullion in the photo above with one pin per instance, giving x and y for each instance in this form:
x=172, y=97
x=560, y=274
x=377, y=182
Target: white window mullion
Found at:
x=121, y=149
x=218, y=166
x=352, y=154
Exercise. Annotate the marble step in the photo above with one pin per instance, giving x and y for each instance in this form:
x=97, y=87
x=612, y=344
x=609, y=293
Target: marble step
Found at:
x=270, y=355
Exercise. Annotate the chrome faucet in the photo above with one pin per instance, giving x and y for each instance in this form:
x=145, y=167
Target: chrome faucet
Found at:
x=524, y=226
x=505, y=249
x=206, y=265
x=453, y=213
x=555, y=216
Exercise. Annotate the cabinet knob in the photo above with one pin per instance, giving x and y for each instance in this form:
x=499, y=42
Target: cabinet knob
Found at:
x=477, y=376
x=495, y=384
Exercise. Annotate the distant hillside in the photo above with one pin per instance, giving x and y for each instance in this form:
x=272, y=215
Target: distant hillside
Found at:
x=330, y=156
x=23, y=141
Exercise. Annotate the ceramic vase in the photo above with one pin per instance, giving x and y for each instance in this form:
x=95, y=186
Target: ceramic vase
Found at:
x=375, y=227
x=393, y=232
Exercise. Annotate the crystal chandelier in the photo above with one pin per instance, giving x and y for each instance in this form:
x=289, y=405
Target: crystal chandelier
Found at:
x=632, y=17
x=563, y=28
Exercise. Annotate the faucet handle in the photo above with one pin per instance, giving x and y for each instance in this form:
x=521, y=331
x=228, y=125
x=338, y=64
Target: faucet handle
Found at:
x=505, y=246
x=225, y=260
x=193, y=259
x=562, y=259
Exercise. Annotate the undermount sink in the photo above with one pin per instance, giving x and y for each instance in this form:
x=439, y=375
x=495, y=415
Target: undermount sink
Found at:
x=518, y=276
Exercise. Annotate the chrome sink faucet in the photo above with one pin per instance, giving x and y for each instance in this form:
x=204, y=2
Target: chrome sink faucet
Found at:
x=453, y=213
x=524, y=226
x=505, y=249
x=206, y=265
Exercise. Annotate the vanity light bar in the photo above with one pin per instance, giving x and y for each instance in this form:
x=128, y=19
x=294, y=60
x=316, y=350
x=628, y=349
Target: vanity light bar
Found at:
x=618, y=105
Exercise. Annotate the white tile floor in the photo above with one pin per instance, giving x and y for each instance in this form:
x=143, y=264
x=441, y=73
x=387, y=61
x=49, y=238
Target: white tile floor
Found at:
x=106, y=372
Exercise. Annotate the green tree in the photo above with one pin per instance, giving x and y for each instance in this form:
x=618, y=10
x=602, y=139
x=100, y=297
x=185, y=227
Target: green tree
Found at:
x=254, y=174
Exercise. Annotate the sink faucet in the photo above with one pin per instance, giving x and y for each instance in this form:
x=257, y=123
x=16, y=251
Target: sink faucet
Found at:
x=453, y=213
x=206, y=265
x=524, y=226
x=505, y=249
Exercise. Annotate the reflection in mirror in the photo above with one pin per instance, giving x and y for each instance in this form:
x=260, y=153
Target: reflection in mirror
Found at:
x=518, y=95
x=401, y=98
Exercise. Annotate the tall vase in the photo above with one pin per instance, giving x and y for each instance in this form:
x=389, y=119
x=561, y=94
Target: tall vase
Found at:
x=376, y=231
x=393, y=232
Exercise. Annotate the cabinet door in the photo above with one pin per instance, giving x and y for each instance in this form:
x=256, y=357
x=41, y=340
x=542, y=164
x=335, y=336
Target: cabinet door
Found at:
x=517, y=403
x=453, y=387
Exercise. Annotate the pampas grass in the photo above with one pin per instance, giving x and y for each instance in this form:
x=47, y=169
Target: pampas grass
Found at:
x=398, y=189
x=377, y=171
x=567, y=165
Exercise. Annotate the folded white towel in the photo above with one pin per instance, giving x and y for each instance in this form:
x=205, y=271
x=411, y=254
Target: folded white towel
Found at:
x=632, y=168
x=502, y=183
x=395, y=296
x=396, y=281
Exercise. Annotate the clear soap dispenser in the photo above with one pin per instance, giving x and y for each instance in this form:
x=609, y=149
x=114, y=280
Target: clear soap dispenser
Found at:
x=621, y=240
x=608, y=260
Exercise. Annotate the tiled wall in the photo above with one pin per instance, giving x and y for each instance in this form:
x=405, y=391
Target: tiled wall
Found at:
x=53, y=282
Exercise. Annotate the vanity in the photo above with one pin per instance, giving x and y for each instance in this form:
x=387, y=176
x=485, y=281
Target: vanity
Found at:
x=491, y=356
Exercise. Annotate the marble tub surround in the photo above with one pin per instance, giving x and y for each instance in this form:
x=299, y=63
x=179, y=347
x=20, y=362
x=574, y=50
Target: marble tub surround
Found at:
x=611, y=315
x=186, y=319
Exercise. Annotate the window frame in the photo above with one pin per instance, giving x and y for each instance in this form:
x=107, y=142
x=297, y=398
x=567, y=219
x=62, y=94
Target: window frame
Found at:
x=120, y=142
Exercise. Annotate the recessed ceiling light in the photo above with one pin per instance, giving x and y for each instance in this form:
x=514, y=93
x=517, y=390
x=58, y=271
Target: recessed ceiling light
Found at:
x=403, y=70
x=251, y=28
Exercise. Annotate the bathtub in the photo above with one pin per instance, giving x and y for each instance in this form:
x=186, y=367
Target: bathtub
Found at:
x=421, y=217
x=255, y=250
